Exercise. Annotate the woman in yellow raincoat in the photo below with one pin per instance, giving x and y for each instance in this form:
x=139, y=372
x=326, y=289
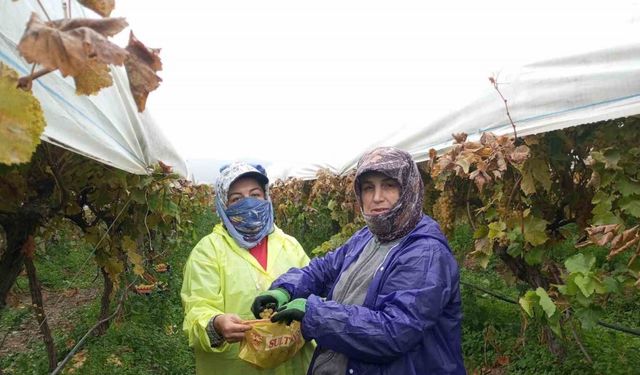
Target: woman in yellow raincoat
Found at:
x=229, y=267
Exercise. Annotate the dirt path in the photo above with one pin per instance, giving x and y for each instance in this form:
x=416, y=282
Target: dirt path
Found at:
x=60, y=308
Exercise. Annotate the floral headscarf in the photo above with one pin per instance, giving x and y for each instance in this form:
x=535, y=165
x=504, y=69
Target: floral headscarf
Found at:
x=249, y=220
x=407, y=212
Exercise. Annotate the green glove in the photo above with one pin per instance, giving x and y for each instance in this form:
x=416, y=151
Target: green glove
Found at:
x=293, y=310
x=274, y=299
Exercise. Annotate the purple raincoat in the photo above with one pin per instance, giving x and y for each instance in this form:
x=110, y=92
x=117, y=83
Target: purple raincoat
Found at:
x=410, y=321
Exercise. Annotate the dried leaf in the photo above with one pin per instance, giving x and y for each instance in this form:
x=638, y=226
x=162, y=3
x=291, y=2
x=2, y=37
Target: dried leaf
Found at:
x=77, y=361
x=102, y=7
x=114, y=360
x=107, y=27
x=94, y=77
x=432, y=158
x=141, y=65
x=21, y=120
x=487, y=138
x=611, y=234
x=459, y=137
x=68, y=45
x=166, y=169
x=519, y=154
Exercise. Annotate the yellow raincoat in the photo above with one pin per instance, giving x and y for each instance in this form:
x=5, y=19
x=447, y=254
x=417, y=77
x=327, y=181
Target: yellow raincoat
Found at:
x=221, y=277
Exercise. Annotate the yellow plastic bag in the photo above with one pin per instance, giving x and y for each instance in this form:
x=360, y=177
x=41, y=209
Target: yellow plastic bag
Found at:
x=267, y=345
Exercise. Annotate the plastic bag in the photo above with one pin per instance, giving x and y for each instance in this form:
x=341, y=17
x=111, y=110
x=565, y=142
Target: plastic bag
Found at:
x=267, y=345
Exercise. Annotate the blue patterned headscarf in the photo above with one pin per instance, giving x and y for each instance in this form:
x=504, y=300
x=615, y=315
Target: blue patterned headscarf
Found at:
x=249, y=220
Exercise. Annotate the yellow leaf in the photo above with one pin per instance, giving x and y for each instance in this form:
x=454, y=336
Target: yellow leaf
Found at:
x=21, y=119
x=102, y=7
x=93, y=77
x=69, y=44
x=130, y=247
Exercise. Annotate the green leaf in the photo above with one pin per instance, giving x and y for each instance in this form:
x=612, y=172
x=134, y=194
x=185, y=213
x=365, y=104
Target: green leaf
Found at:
x=602, y=213
x=534, y=256
x=601, y=196
x=586, y=285
x=569, y=231
x=534, y=230
x=480, y=232
x=582, y=300
x=171, y=209
x=554, y=324
x=545, y=302
x=570, y=288
x=138, y=196
x=515, y=235
x=496, y=230
x=540, y=171
x=21, y=119
x=514, y=249
x=580, y=263
x=612, y=285
x=527, y=183
x=528, y=301
x=630, y=205
x=155, y=203
x=589, y=316
x=611, y=158
x=628, y=187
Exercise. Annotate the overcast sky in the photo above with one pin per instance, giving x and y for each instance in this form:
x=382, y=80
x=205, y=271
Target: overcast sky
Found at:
x=292, y=80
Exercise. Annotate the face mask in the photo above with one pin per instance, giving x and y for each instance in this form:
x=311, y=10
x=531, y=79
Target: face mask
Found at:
x=248, y=221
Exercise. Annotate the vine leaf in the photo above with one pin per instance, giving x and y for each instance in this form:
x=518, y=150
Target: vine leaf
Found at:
x=130, y=247
x=534, y=230
x=628, y=187
x=528, y=301
x=613, y=234
x=102, y=7
x=540, y=172
x=94, y=77
x=142, y=64
x=69, y=45
x=610, y=158
x=21, y=119
x=459, y=137
x=580, y=263
x=545, y=302
x=631, y=205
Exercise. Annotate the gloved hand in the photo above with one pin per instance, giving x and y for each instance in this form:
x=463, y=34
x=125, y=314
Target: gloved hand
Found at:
x=293, y=310
x=274, y=298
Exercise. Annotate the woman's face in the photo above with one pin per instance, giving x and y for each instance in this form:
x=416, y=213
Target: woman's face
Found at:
x=242, y=188
x=379, y=193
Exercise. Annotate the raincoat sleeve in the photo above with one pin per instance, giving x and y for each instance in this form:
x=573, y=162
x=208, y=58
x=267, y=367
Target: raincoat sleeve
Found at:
x=411, y=300
x=316, y=278
x=201, y=295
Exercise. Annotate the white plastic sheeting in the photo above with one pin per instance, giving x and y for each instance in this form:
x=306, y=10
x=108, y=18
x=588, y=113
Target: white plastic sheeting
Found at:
x=106, y=127
x=543, y=96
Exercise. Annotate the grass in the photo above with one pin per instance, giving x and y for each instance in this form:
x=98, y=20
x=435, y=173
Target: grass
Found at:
x=494, y=340
x=149, y=339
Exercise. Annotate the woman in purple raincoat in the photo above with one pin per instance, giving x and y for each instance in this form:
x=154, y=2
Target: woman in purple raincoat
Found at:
x=388, y=300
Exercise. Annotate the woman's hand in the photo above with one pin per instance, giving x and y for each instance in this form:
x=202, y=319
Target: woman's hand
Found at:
x=231, y=327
